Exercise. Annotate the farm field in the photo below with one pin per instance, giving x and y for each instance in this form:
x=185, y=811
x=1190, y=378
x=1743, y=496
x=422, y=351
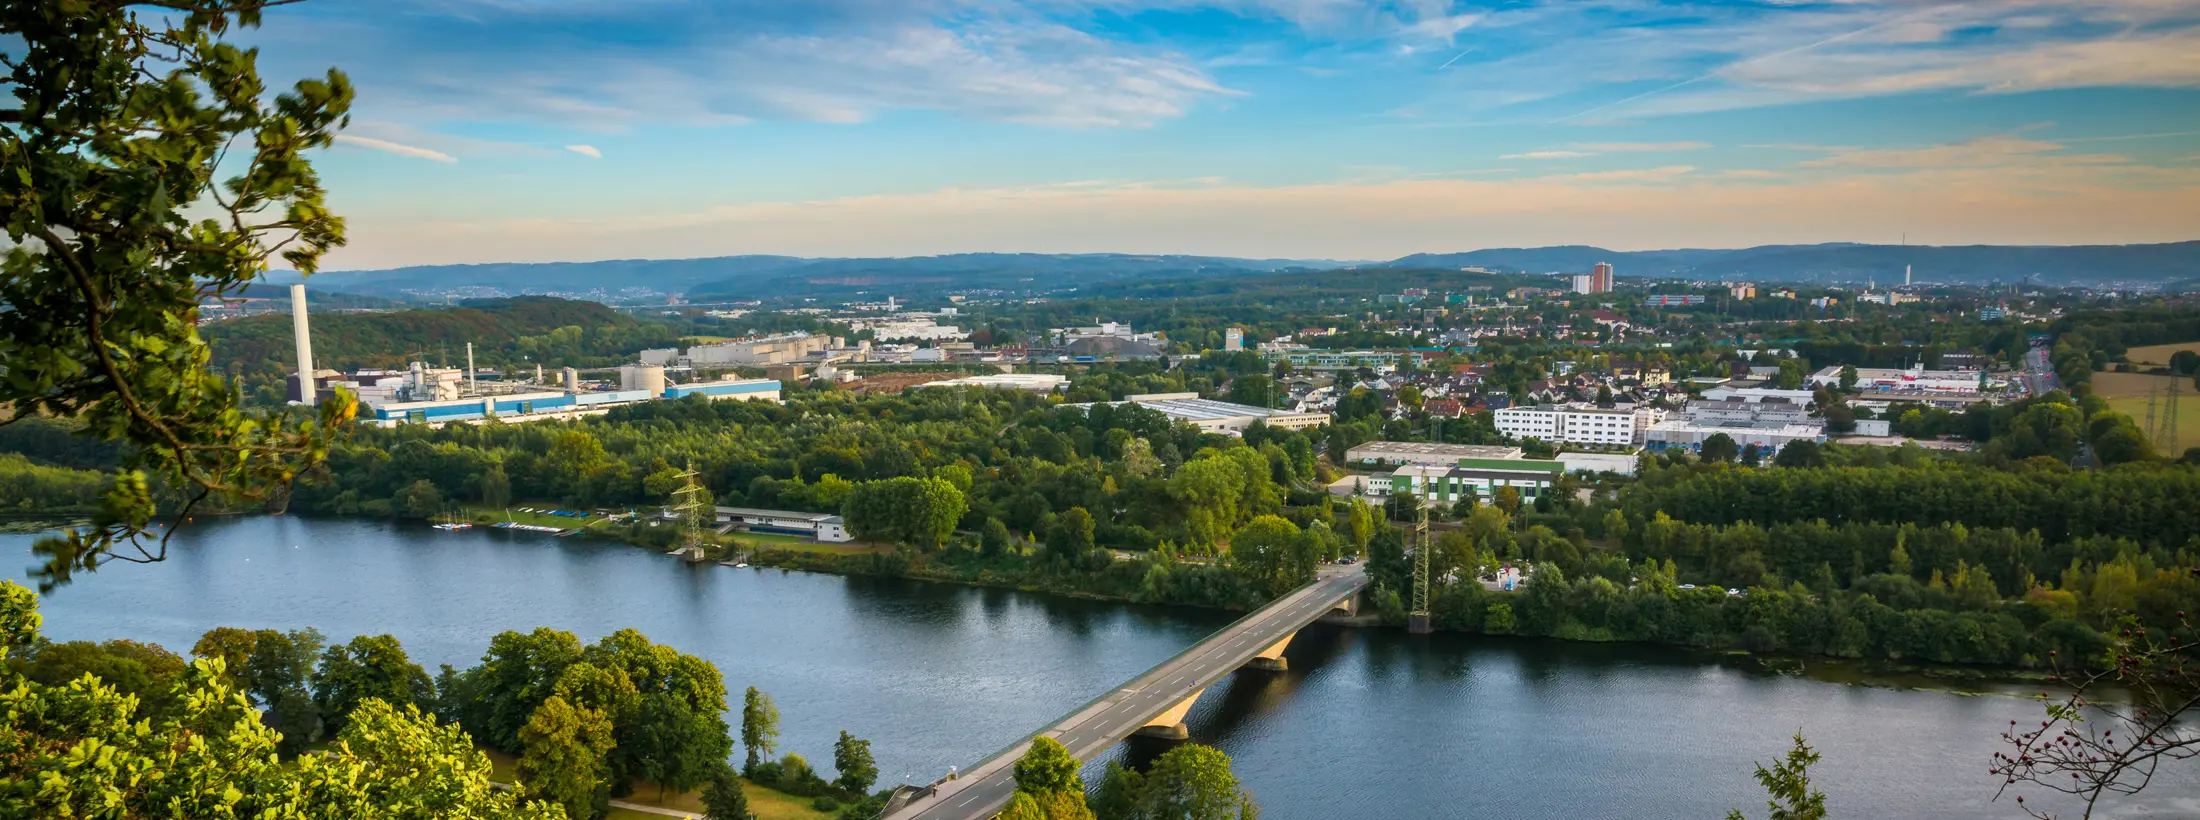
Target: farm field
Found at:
x=2127, y=393
x=2159, y=354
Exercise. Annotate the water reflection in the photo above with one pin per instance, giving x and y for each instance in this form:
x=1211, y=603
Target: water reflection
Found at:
x=1365, y=723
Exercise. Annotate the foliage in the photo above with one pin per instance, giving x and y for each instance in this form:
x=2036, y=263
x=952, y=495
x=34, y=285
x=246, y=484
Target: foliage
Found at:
x=1788, y=782
x=369, y=667
x=1189, y=782
x=564, y=762
x=723, y=796
x=905, y=510
x=2161, y=674
x=1047, y=768
x=276, y=670
x=122, y=123
x=759, y=725
x=852, y=758
x=86, y=749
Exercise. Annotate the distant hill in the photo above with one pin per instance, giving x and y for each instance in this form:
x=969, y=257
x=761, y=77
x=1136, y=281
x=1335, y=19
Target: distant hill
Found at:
x=505, y=332
x=745, y=277
x=1849, y=262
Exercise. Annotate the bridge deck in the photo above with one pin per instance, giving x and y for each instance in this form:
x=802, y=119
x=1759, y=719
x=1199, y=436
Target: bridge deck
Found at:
x=986, y=788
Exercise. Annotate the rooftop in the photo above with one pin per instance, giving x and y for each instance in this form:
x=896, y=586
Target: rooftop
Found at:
x=1441, y=450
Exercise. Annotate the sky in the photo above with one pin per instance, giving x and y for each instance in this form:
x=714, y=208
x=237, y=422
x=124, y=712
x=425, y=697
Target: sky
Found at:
x=572, y=130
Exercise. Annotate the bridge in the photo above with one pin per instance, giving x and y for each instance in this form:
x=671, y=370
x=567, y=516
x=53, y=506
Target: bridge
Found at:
x=1153, y=704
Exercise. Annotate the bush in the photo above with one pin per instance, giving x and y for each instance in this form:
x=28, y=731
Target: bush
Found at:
x=825, y=803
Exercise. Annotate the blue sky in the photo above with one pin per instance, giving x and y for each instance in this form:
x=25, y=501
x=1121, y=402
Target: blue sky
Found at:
x=494, y=130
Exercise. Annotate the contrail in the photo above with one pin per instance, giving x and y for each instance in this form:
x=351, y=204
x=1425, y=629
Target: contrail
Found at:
x=1455, y=57
x=1710, y=74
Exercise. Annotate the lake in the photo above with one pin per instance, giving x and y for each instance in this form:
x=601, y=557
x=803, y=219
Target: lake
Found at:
x=1367, y=723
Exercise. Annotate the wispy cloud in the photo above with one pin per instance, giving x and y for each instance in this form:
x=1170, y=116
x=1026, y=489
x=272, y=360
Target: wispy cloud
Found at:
x=1547, y=155
x=1625, y=147
x=1981, y=152
x=395, y=148
x=588, y=151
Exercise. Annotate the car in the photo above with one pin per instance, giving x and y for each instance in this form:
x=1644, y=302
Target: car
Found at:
x=1346, y=560
x=1688, y=586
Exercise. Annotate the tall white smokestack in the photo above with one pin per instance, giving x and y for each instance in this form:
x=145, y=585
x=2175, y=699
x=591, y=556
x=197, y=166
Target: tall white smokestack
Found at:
x=471, y=385
x=305, y=343
x=1905, y=276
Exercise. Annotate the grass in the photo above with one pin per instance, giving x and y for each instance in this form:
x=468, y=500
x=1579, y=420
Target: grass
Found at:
x=2127, y=393
x=801, y=545
x=498, y=515
x=2159, y=354
x=766, y=804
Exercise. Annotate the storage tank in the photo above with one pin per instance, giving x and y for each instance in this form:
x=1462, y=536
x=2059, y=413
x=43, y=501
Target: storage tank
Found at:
x=648, y=377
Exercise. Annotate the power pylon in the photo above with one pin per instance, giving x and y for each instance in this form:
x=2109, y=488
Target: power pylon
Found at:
x=688, y=502
x=2169, y=417
x=2153, y=428
x=1417, y=619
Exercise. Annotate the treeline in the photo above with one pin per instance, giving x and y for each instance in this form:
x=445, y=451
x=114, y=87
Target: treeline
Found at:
x=2146, y=504
x=29, y=488
x=506, y=333
x=586, y=723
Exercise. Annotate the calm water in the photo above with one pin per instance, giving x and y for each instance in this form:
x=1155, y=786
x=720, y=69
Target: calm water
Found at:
x=1367, y=724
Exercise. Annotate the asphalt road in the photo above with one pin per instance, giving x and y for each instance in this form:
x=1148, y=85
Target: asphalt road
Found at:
x=986, y=789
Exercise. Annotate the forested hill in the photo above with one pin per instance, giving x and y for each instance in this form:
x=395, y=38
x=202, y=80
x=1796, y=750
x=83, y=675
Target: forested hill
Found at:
x=1844, y=262
x=505, y=333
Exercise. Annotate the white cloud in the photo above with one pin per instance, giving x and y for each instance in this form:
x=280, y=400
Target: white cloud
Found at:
x=1624, y=147
x=1374, y=220
x=588, y=151
x=395, y=148
x=1547, y=155
x=1995, y=151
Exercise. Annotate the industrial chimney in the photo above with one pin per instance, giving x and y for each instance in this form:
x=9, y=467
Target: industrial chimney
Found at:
x=306, y=391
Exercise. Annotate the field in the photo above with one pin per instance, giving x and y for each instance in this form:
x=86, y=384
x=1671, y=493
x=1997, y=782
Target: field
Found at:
x=765, y=803
x=2127, y=394
x=2159, y=354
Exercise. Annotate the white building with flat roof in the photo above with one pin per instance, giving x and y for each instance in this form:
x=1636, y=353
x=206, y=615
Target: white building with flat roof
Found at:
x=1770, y=425
x=1914, y=379
x=1401, y=453
x=1220, y=416
x=1578, y=423
x=1035, y=382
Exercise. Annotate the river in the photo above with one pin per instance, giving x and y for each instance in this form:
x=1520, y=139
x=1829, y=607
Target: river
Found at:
x=1366, y=724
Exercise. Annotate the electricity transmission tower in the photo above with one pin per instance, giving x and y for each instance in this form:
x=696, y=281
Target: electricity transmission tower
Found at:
x=688, y=504
x=1417, y=619
x=2153, y=428
x=2169, y=417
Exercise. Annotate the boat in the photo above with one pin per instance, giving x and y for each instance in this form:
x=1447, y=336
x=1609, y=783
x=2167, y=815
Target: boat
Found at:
x=452, y=521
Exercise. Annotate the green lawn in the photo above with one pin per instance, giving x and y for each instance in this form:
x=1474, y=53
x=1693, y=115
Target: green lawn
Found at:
x=800, y=545
x=513, y=513
x=766, y=804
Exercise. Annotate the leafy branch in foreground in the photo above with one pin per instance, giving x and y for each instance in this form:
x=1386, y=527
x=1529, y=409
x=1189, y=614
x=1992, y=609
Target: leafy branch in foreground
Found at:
x=120, y=124
x=2091, y=751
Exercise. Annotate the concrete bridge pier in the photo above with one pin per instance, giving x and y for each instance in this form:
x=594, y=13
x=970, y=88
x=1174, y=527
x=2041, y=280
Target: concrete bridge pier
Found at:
x=1169, y=725
x=1271, y=659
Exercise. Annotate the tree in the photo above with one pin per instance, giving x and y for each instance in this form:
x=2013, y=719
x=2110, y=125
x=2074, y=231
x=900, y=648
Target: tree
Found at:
x=519, y=671
x=1848, y=377
x=1752, y=455
x=419, y=499
x=994, y=539
x=1047, y=768
x=723, y=796
x=564, y=759
x=852, y=758
x=919, y=512
x=1508, y=500
x=671, y=745
x=1254, y=389
x=1800, y=453
x=1261, y=553
x=1720, y=447
x=276, y=670
x=1117, y=797
x=759, y=726
x=496, y=487
x=2077, y=751
x=1788, y=782
x=368, y=667
x=214, y=758
x=1070, y=538
x=1193, y=782
x=122, y=122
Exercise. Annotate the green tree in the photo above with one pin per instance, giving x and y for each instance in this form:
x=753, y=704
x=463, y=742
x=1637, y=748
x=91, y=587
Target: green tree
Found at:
x=1800, y=453
x=1047, y=768
x=852, y=758
x=1070, y=537
x=496, y=487
x=124, y=121
x=373, y=667
x=907, y=510
x=519, y=671
x=564, y=759
x=207, y=754
x=1117, y=797
x=759, y=726
x=994, y=539
x=1720, y=447
x=1788, y=783
x=276, y=670
x=1193, y=782
x=419, y=499
x=723, y=796
x=1848, y=377
x=1261, y=554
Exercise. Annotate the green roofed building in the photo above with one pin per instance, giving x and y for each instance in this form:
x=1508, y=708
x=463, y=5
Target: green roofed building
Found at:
x=1481, y=476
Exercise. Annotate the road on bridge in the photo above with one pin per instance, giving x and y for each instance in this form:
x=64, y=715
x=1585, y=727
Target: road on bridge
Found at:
x=985, y=790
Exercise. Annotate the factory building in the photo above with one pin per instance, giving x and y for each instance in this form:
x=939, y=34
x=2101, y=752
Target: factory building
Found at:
x=1577, y=423
x=1219, y=416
